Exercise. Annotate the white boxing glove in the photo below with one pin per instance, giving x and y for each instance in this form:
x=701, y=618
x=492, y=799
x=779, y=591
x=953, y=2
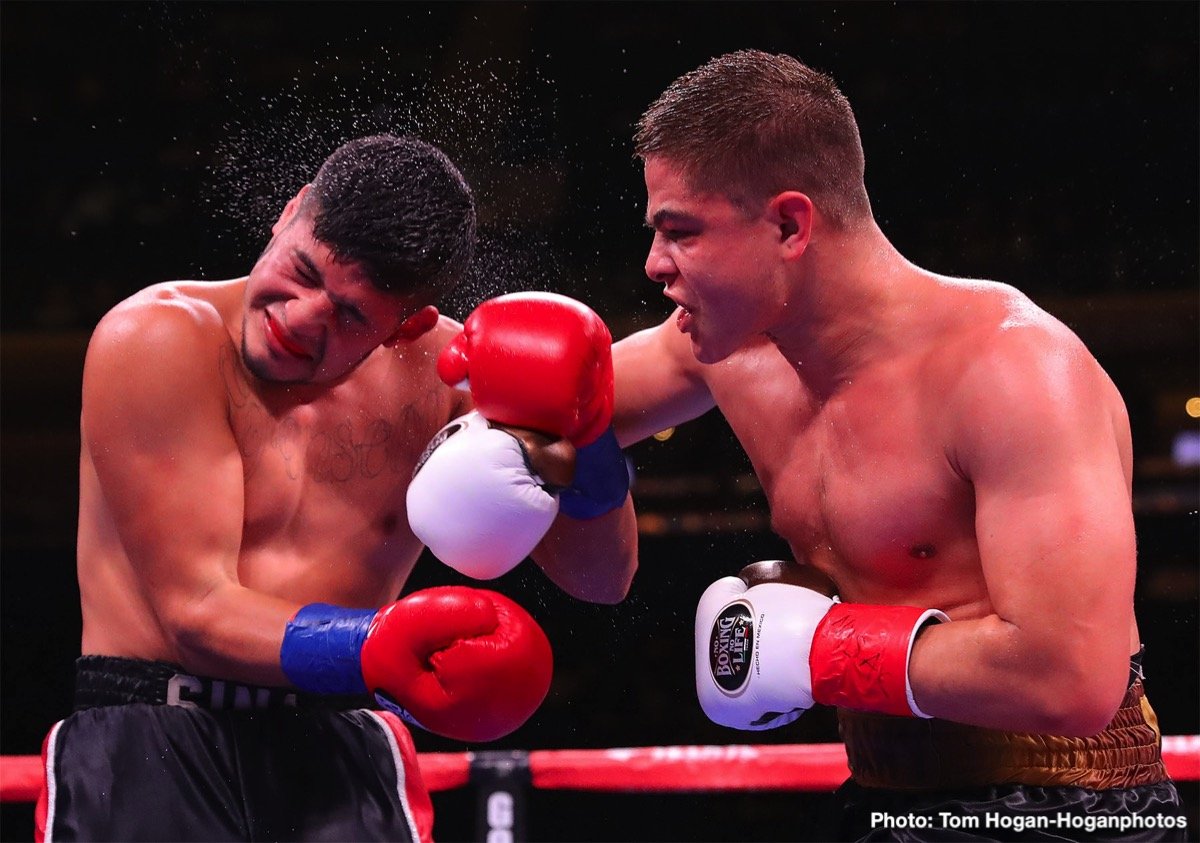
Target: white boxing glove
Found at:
x=766, y=653
x=752, y=648
x=476, y=502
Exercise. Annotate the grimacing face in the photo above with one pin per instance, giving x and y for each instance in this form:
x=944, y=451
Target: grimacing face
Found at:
x=309, y=318
x=719, y=264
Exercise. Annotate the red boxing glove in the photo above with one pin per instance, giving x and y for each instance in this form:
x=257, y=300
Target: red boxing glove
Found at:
x=541, y=361
x=460, y=662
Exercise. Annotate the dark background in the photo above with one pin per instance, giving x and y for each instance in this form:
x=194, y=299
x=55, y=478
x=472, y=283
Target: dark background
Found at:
x=1050, y=146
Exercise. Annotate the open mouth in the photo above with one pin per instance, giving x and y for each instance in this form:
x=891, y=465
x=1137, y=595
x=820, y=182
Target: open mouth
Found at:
x=281, y=338
x=684, y=320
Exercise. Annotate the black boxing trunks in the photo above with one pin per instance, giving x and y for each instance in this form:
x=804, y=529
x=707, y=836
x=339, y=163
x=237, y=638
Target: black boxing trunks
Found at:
x=915, y=779
x=154, y=753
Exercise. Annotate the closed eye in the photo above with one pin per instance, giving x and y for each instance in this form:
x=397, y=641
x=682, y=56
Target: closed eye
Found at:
x=306, y=274
x=674, y=225
x=352, y=314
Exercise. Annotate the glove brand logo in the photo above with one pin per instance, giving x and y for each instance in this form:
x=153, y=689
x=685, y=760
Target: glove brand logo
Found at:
x=730, y=646
x=436, y=442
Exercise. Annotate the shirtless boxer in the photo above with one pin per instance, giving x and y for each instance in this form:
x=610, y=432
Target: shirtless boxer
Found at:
x=948, y=454
x=247, y=449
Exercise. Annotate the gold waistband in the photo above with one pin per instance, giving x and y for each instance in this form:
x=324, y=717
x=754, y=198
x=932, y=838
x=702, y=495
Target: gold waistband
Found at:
x=914, y=754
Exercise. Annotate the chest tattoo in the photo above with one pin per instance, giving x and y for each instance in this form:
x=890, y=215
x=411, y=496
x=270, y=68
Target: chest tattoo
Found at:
x=359, y=445
x=347, y=451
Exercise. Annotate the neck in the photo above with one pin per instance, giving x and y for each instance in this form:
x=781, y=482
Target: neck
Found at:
x=851, y=302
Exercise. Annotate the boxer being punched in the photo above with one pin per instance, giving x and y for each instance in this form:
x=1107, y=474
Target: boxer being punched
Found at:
x=244, y=534
x=948, y=454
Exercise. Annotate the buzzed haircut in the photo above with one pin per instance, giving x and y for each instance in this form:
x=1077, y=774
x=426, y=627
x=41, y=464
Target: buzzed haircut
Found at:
x=751, y=124
x=400, y=209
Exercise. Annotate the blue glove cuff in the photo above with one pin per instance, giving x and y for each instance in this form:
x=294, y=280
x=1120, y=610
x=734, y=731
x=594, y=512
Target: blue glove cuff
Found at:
x=601, y=479
x=321, y=647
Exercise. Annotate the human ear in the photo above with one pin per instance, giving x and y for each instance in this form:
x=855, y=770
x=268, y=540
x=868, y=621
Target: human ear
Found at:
x=420, y=323
x=290, y=209
x=792, y=211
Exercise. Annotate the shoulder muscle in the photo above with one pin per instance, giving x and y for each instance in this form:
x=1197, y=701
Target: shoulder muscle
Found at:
x=152, y=361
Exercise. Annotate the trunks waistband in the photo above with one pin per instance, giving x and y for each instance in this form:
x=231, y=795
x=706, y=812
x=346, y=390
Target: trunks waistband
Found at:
x=109, y=680
x=912, y=754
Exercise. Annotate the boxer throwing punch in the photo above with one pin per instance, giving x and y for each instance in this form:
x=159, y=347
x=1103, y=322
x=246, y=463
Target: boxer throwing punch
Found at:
x=539, y=363
x=247, y=449
x=948, y=454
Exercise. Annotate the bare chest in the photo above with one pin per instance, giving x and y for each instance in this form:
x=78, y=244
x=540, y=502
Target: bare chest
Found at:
x=352, y=451
x=328, y=476
x=861, y=486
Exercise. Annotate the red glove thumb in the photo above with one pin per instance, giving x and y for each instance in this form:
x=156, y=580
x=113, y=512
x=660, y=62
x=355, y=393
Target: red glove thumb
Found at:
x=452, y=362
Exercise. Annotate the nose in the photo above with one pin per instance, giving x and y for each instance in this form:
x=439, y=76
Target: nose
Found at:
x=309, y=313
x=659, y=265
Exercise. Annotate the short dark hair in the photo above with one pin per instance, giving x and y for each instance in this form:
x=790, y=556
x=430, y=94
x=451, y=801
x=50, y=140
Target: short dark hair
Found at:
x=399, y=208
x=753, y=123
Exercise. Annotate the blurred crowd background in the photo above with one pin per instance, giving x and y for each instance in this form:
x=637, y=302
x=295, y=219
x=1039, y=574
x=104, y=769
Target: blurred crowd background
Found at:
x=1052, y=146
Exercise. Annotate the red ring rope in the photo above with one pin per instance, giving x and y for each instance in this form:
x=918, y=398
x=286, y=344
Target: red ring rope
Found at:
x=812, y=767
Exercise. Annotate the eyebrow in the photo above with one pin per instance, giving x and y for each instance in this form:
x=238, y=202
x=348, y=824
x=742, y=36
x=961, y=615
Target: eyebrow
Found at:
x=666, y=215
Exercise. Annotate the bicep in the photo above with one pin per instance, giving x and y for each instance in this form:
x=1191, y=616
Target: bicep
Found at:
x=155, y=428
x=658, y=383
x=1052, y=510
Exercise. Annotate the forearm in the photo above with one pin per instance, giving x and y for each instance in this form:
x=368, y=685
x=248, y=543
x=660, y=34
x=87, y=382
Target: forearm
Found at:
x=592, y=560
x=465, y=663
x=774, y=636
x=993, y=673
x=659, y=383
x=232, y=633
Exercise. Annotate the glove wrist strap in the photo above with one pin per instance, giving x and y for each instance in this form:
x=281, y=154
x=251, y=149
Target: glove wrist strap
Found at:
x=859, y=657
x=601, y=479
x=321, y=649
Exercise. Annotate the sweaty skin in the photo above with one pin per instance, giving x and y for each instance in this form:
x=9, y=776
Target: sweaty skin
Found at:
x=246, y=450
x=921, y=440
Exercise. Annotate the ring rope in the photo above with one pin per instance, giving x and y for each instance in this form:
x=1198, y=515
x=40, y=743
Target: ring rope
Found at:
x=733, y=767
